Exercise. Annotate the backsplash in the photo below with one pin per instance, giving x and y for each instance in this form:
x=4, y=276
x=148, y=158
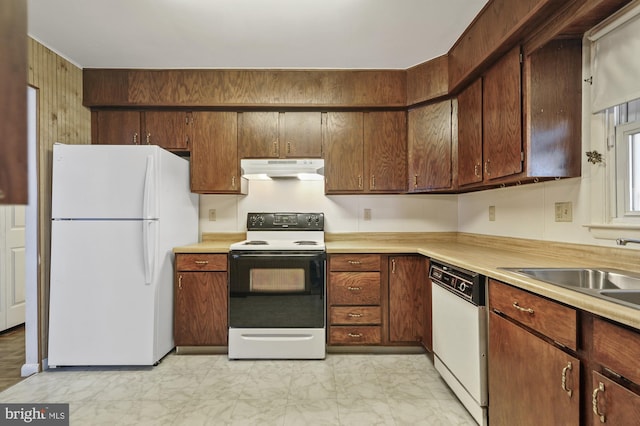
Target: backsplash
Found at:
x=343, y=213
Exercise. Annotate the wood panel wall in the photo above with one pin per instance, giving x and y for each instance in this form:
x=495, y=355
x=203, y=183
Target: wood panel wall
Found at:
x=244, y=88
x=61, y=118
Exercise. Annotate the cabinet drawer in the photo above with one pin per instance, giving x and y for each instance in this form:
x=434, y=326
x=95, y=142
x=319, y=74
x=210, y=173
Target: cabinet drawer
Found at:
x=355, y=335
x=549, y=318
x=617, y=348
x=355, y=315
x=354, y=262
x=201, y=262
x=354, y=288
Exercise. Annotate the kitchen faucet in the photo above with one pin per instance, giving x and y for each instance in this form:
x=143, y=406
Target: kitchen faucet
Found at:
x=624, y=241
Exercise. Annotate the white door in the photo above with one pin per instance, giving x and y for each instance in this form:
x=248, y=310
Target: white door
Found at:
x=104, y=182
x=12, y=266
x=102, y=308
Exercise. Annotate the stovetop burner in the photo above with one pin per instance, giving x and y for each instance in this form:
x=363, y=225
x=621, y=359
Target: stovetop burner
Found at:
x=283, y=232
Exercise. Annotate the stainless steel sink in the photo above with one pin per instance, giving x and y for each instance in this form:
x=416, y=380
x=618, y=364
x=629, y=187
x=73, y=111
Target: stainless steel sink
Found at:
x=615, y=285
x=629, y=297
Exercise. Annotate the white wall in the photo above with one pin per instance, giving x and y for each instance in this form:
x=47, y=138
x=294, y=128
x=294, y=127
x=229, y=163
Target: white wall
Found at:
x=528, y=211
x=343, y=213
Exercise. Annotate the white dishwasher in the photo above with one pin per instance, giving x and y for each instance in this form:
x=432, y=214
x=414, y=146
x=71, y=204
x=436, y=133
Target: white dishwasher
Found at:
x=460, y=335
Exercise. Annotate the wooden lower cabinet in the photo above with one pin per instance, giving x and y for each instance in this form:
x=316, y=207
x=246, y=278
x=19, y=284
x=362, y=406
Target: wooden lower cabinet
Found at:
x=376, y=299
x=406, y=298
x=615, y=398
x=200, y=308
x=532, y=381
x=613, y=403
x=528, y=377
x=355, y=296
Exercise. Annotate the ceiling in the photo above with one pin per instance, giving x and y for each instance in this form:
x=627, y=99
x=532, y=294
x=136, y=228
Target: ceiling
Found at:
x=333, y=34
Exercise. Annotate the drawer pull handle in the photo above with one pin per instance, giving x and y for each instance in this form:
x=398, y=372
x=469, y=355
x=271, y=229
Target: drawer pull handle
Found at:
x=594, y=401
x=355, y=335
x=350, y=315
x=521, y=309
x=201, y=262
x=354, y=288
x=180, y=282
x=569, y=367
x=354, y=262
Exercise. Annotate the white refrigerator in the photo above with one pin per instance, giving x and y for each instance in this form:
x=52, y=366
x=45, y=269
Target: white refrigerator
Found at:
x=117, y=211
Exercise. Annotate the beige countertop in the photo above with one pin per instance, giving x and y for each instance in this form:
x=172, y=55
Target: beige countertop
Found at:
x=485, y=255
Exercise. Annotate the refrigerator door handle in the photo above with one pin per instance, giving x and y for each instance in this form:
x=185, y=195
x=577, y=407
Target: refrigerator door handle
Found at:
x=149, y=189
x=148, y=247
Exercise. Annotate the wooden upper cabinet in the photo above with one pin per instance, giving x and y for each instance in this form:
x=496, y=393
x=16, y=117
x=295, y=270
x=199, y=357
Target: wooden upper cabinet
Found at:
x=13, y=104
x=167, y=129
x=470, y=134
x=343, y=152
x=215, y=166
x=429, y=147
x=301, y=134
x=272, y=134
x=552, y=96
x=502, y=118
x=116, y=127
x=385, y=151
x=258, y=134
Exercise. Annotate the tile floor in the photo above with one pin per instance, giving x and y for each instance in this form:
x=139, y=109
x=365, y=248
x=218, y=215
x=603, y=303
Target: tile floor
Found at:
x=344, y=389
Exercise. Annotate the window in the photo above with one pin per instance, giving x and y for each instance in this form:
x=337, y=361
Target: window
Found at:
x=624, y=154
x=612, y=50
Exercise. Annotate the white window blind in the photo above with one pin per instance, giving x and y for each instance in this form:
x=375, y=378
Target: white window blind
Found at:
x=615, y=59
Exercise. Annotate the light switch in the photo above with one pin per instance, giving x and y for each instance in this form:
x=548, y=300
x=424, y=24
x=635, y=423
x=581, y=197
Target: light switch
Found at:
x=212, y=215
x=492, y=213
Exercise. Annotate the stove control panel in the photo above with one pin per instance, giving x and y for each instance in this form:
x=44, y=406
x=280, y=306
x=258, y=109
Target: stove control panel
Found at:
x=285, y=221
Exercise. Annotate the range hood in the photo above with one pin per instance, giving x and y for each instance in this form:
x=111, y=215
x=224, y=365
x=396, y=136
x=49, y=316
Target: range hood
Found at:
x=283, y=168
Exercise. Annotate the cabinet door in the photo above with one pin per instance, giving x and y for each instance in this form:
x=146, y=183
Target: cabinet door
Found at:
x=200, y=316
x=167, y=129
x=117, y=128
x=502, y=117
x=429, y=147
x=258, y=134
x=615, y=404
x=13, y=103
x=215, y=167
x=528, y=378
x=301, y=134
x=344, y=152
x=406, y=298
x=470, y=134
x=385, y=151
x=427, y=333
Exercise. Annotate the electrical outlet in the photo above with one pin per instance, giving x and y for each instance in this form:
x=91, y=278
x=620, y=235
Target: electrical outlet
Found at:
x=212, y=215
x=564, y=212
x=367, y=214
x=492, y=213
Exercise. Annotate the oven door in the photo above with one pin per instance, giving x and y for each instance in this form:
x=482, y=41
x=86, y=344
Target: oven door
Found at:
x=276, y=289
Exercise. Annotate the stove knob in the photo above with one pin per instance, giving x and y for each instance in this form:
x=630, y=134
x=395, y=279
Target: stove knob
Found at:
x=462, y=287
